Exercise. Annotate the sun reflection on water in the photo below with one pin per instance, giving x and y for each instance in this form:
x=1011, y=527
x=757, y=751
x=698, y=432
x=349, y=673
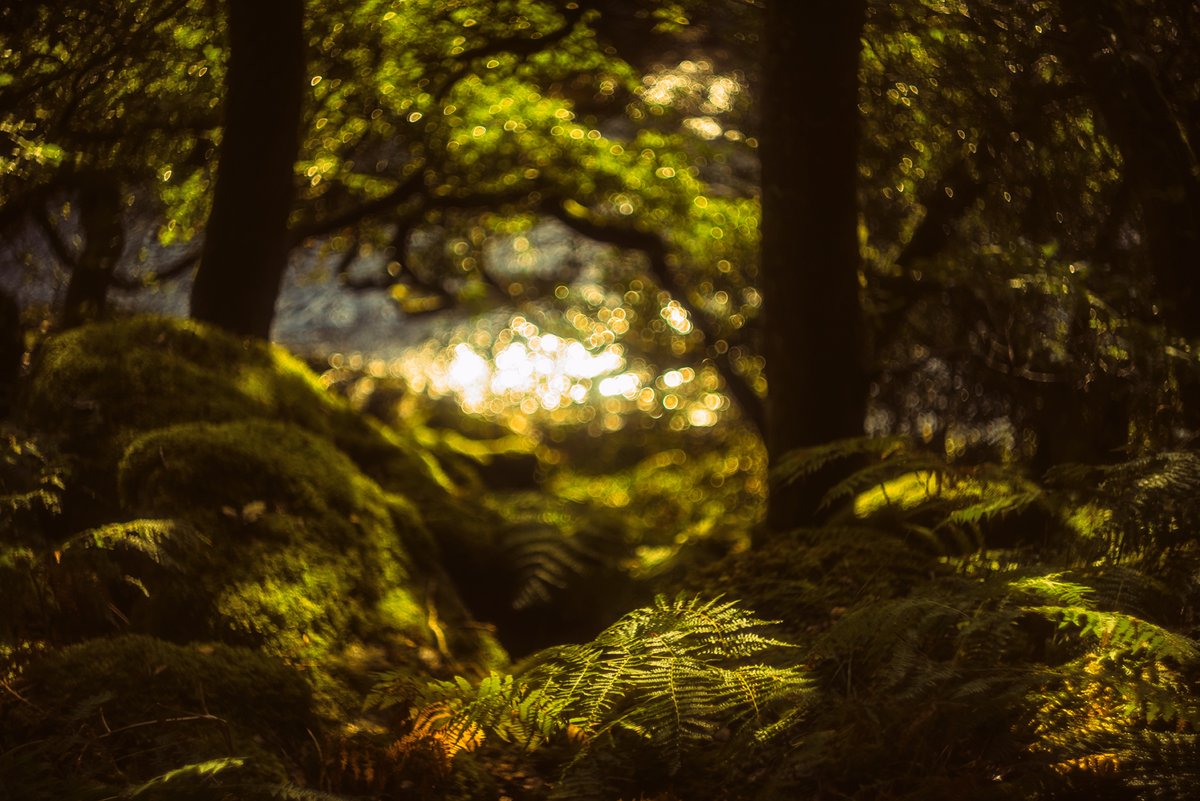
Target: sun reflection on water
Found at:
x=522, y=364
x=519, y=370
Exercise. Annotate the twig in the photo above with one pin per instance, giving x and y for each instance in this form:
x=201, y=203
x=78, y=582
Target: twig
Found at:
x=143, y=723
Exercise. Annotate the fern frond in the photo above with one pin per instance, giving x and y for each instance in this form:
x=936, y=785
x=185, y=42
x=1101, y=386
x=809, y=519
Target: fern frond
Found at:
x=1143, y=509
x=543, y=559
x=153, y=538
x=193, y=772
x=1051, y=587
x=803, y=462
x=1123, y=636
x=991, y=507
x=671, y=675
x=925, y=472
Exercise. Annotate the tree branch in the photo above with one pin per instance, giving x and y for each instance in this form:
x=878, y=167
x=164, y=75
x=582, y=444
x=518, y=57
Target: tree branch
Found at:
x=167, y=272
x=53, y=237
x=410, y=187
x=522, y=46
x=655, y=249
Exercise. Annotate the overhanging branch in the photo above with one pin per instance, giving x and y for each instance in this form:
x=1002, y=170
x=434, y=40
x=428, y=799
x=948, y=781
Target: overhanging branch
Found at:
x=655, y=250
x=521, y=46
x=171, y=270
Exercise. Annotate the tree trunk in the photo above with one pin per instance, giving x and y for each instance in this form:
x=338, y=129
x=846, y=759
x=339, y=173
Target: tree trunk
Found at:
x=12, y=350
x=810, y=249
x=246, y=243
x=103, y=242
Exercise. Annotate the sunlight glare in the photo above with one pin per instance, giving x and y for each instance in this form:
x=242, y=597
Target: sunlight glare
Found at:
x=468, y=374
x=625, y=384
x=524, y=369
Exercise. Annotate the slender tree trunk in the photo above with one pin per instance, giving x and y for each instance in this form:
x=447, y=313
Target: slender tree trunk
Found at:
x=810, y=250
x=12, y=349
x=103, y=242
x=246, y=243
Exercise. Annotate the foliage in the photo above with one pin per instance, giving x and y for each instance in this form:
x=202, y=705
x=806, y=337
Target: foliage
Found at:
x=31, y=493
x=956, y=629
x=655, y=689
x=134, y=716
x=962, y=627
x=176, y=520
x=977, y=634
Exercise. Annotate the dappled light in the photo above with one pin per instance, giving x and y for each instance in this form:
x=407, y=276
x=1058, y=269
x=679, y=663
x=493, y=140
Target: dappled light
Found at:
x=564, y=400
x=522, y=372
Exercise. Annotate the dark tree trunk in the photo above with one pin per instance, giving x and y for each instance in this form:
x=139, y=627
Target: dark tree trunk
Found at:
x=810, y=251
x=246, y=241
x=12, y=349
x=103, y=243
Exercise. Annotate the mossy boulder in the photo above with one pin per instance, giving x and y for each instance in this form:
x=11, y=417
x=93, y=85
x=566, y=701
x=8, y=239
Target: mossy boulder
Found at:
x=227, y=496
x=128, y=715
x=98, y=387
x=301, y=553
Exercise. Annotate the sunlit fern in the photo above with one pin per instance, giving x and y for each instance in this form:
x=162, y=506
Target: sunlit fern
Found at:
x=160, y=541
x=1146, y=510
x=673, y=678
x=951, y=509
x=1030, y=679
x=1052, y=652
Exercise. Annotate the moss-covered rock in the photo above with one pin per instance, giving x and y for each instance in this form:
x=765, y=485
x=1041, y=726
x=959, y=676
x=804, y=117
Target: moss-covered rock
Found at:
x=227, y=496
x=109, y=381
x=99, y=719
x=98, y=387
x=302, y=553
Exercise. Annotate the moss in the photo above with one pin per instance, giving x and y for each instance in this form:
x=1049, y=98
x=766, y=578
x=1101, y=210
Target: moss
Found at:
x=275, y=532
x=117, y=378
x=107, y=715
x=103, y=386
x=244, y=470
x=99, y=386
x=307, y=554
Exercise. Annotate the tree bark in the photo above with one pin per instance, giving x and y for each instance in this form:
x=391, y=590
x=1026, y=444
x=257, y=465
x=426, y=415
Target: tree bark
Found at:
x=12, y=350
x=103, y=242
x=810, y=250
x=246, y=240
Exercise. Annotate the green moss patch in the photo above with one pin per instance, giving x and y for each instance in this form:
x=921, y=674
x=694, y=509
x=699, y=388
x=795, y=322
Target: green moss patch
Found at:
x=100, y=386
x=111, y=716
x=267, y=532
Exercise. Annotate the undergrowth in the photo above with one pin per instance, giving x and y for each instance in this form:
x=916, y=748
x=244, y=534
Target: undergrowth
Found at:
x=259, y=597
x=955, y=631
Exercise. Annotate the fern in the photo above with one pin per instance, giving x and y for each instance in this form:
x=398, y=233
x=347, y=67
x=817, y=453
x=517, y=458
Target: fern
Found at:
x=197, y=771
x=670, y=677
x=804, y=462
x=1144, y=510
x=542, y=560
x=32, y=488
x=991, y=507
x=153, y=538
x=1047, y=647
x=1042, y=680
